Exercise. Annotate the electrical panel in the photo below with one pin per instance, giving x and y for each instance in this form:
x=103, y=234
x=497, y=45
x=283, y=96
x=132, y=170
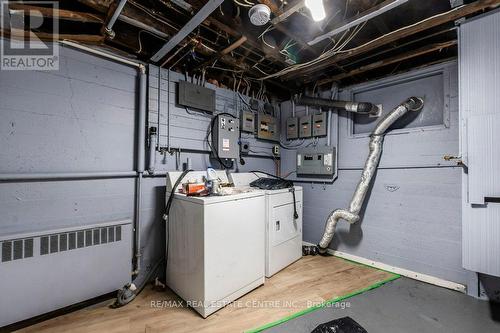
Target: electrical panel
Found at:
x=267, y=127
x=247, y=122
x=319, y=124
x=305, y=127
x=195, y=96
x=225, y=135
x=317, y=161
x=292, y=128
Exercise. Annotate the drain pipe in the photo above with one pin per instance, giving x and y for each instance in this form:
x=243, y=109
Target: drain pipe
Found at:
x=357, y=107
x=351, y=214
x=108, y=29
x=141, y=142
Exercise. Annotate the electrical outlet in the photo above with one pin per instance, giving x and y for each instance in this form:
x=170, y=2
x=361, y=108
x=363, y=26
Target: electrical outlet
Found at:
x=276, y=150
x=245, y=147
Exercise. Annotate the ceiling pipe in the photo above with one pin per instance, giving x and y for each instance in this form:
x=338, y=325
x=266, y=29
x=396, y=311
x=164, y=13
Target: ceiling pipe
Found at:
x=108, y=29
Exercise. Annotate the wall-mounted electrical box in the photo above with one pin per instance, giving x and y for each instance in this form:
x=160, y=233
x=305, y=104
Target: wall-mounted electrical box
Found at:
x=225, y=135
x=267, y=127
x=317, y=161
x=247, y=122
x=292, y=128
x=305, y=127
x=195, y=96
x=319, y=124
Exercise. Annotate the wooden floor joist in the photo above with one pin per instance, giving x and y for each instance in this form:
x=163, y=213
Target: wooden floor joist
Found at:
x=87, y=39
x=308, y=282
x=63, y=14
x=407, y=31
x=392, y=60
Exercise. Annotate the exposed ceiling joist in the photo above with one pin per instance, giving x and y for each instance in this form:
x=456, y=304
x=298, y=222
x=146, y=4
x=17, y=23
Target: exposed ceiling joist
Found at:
x=62, y=14
x=287, y=13
x=388, y=61
x=197, y=19
x=360, y=18
x=393, y=36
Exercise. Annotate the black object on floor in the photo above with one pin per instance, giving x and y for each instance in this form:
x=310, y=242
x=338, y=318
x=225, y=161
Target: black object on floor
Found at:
x=341, y=325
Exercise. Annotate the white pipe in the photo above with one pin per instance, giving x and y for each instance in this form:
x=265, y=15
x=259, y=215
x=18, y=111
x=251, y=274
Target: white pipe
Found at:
x=103, y=54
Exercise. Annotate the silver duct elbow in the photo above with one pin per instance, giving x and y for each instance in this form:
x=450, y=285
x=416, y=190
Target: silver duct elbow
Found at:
x=351, y=215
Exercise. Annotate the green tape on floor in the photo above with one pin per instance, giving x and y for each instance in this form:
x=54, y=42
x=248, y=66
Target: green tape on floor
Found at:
x=332, y=301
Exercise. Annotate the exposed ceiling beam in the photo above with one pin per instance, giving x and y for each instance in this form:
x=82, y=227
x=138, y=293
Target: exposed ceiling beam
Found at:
x=393, y=36
x=87, y=39
x=197, y=19
x=62, y=14
x=224, y=52
x=287, y=13
x=300, y=41
x=360, y=18
x=271, y=53
x=131, y=15
x=389, y=61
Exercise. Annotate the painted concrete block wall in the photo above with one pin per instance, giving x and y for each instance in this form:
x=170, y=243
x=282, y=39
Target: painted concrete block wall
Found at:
x=412, y=218
x=82, y=118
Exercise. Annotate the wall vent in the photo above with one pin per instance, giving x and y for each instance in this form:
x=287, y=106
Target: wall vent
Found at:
x=23, y=248
x=17, y=249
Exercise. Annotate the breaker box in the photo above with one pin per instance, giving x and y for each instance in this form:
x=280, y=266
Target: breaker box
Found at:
x=318, y=161
x=225, y=135
x=267, y=127
x=319, y=124
x=247, y=122
x=292, y=128
x=195, y=96
x=305, y=127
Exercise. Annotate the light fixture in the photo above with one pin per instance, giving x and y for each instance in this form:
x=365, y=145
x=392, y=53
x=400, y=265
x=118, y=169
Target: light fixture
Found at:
x=316, y=8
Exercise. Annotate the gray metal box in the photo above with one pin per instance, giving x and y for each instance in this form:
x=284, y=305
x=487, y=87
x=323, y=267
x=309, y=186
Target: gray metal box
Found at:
x=319, y=124
x=305, y=127
x=316, y=161
x=292, y=128
x=195, y=96
x=247, y=122
x=267, y=127
x=225, y=135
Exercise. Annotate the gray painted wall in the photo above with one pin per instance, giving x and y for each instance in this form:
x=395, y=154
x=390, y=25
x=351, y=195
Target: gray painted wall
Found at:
x=82, y=118
x=412, y=218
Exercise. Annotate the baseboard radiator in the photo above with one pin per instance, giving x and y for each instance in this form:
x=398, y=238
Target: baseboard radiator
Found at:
x=45, y=271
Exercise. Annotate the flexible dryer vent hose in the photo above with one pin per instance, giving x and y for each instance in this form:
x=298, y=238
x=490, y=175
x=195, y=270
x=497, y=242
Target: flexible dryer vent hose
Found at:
x=351, y=214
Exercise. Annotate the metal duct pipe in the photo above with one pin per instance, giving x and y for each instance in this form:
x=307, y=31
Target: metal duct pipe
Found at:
x=108, y=29
x=358, y=107
x=351, y=215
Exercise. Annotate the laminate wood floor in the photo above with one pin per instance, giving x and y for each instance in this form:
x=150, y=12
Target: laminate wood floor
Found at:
x=309, y=281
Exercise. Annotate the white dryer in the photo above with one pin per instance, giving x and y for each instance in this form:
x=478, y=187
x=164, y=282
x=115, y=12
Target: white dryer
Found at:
x=283, y=231
x=216, y=248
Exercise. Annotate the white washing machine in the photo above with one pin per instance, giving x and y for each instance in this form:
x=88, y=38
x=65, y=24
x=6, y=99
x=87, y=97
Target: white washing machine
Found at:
x=283, y=231
x=216, y=245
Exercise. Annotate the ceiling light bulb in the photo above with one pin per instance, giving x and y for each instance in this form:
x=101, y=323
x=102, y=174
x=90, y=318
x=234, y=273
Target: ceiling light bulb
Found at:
x=316, y=8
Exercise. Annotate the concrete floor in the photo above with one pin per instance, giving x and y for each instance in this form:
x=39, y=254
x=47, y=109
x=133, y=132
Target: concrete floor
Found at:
x=405, y=305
